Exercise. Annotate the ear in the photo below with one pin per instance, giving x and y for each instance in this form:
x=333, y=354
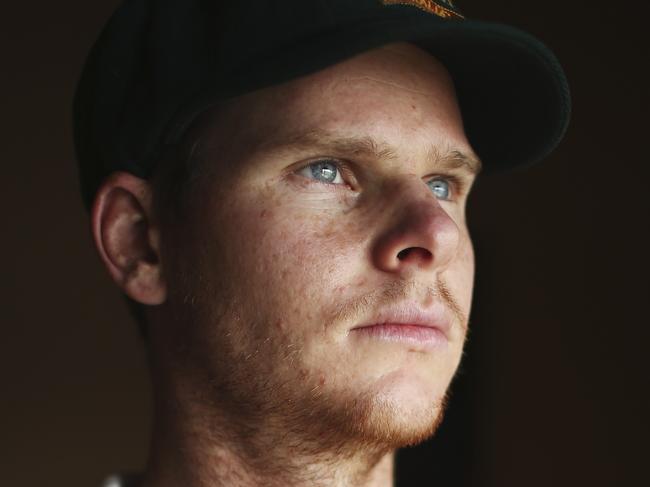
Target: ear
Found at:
x=127, y=239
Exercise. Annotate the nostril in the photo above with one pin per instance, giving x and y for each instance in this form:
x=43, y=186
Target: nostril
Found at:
x=414, y=252
x=403, y=254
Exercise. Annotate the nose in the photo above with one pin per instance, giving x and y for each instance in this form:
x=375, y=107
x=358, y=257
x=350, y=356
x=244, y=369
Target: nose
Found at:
x=421, y=234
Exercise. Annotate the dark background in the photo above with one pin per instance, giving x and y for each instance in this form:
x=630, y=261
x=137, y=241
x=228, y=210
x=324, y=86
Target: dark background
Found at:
x=553, y=390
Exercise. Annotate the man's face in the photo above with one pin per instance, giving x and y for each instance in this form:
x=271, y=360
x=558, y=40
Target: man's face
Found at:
x=330, y=202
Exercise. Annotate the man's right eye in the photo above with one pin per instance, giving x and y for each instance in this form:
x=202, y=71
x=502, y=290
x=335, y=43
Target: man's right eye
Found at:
x=325, y=171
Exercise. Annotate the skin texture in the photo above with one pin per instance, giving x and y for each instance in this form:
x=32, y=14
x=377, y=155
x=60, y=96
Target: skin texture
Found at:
x=255, y=289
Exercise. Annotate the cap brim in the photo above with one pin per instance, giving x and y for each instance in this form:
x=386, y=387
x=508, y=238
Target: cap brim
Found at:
x=512, y=91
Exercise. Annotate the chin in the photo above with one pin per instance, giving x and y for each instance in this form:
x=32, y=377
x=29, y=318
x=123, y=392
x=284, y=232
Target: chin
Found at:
x=397, y=427
x=404, y=414
x=391, y=415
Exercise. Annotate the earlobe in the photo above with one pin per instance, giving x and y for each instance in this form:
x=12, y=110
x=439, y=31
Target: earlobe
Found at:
x=127, y=239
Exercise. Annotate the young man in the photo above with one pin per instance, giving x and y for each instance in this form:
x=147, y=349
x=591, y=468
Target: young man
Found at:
x=279, y=189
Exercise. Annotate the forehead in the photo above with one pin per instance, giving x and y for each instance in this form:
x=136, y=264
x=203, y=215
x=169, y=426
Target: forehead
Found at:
x=397, y=95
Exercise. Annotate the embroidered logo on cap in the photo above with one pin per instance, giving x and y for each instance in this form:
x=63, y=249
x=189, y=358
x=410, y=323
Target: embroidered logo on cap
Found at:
x=442, y=8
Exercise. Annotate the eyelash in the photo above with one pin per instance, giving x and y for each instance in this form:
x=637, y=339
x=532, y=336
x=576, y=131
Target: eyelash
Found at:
x=457, y=185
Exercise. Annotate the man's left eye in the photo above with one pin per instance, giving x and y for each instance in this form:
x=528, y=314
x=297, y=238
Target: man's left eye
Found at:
x=324, y=171
x=441, y=188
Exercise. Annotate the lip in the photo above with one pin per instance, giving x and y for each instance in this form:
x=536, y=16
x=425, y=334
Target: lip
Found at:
x=408, y=323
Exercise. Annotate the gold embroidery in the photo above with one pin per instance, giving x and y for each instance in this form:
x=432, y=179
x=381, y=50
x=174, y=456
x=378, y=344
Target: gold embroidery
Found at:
x=428, y=6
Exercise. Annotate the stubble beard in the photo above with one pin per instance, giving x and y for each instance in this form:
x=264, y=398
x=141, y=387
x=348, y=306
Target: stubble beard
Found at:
x=271, y=409
x=276, y=423
x=296, y=417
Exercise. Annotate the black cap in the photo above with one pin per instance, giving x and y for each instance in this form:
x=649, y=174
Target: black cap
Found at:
x=159, y=63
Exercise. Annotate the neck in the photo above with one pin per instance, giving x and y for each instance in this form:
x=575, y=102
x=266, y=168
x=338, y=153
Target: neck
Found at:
x=195, y=444
x=212, y=453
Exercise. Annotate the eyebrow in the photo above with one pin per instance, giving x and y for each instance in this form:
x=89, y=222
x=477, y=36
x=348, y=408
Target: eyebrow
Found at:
x=369, y=147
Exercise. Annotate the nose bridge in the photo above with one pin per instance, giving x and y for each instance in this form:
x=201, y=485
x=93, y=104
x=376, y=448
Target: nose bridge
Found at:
x=419, y=231
x=414, y=203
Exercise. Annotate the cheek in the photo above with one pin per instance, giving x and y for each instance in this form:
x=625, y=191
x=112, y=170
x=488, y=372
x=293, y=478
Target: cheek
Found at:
x=282, y=259
x=288, y=268
x=462, y=273
x=306, y=253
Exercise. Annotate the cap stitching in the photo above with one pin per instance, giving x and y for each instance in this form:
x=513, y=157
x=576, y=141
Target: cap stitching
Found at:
x=435, y=9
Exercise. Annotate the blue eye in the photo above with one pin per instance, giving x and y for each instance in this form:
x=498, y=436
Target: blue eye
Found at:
x=325, y=171
x=441, y=188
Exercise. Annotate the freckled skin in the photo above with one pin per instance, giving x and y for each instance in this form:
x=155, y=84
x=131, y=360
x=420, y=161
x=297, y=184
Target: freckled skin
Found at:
x=270, y=258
